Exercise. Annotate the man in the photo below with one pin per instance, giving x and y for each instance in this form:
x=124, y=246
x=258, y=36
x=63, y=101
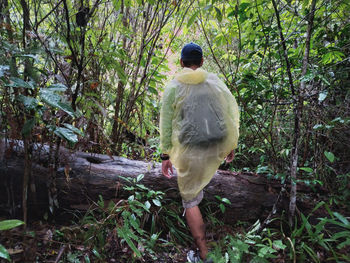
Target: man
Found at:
x=199, y=122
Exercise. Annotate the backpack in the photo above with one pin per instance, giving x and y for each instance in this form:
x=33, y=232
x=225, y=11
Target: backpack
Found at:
x=202, y=122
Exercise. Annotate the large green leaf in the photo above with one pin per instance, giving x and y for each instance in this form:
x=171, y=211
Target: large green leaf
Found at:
x=66, y=134
x=35, y=57
x=3, y=253
x=74, y=129
x=140, y=177
x=278, y=244
x=20, y=83
x=225, y=200
x=306, y=169
x=330, y=156
x=55, y=100
x=9, y=224
x=66, y=108
x=148, y=205
x=156, y=202
x=57, y=87
x=29, y=103
x=50, y=98
x=125, y=233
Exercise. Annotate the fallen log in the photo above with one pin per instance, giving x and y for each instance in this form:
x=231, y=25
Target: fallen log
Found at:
x=82, y=177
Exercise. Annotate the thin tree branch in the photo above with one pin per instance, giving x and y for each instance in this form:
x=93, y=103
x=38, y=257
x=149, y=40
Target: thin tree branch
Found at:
x=284, y=48
x=47, y=15
x=298, y=114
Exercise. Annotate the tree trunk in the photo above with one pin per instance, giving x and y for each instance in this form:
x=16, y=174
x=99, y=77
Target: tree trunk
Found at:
x=298, y=114
x=26, y=138
x=82, y=177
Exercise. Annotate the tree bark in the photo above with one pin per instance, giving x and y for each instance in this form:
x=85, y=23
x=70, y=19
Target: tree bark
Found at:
x=298, y=114
x=27, y=176
x=82, y=177
x=298, y=103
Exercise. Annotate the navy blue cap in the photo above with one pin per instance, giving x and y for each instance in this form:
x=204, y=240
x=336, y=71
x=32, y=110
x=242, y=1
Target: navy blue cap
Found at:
x=191, y=51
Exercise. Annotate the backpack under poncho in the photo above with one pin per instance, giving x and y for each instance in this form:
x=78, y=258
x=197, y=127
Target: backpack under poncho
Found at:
x=202, y=119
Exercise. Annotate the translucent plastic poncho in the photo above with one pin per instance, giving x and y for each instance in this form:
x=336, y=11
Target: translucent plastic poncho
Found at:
x=199, y=127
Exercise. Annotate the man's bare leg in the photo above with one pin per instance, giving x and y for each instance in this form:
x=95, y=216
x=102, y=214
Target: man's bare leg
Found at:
x=197, y=228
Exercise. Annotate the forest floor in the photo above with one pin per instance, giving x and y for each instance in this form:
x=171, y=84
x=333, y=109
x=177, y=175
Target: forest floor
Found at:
x=63, y=239
x=44, y=241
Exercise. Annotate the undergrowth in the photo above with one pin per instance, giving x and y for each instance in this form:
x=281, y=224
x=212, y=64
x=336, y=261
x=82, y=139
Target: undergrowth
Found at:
x=147, y=227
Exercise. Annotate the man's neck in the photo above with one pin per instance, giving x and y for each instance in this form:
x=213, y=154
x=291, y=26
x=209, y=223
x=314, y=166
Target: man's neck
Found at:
x=193, y=67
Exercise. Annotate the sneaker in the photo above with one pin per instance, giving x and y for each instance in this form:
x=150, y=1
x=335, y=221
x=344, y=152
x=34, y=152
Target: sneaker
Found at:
x=193, y=257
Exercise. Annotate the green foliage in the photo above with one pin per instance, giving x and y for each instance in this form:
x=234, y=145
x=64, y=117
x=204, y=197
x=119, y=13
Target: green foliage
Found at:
x=328, y=239
x=243, y=44
x=248, y=247
x=51, y=98
x=20, y=83
x=330, y=156
x=222, y=203
x=140, y=227
x=331, y=234
x=7, y=225
x=3, y=253
x=100, y=85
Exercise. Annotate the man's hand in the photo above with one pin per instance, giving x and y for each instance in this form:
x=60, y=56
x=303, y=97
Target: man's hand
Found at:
x=230, y=157
x=166, y=167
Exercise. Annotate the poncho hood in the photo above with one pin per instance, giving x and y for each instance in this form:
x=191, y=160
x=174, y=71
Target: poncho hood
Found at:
x=190, y=76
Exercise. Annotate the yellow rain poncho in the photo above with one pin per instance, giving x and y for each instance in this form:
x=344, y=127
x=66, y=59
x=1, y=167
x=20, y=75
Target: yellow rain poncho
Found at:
x=197, y=146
